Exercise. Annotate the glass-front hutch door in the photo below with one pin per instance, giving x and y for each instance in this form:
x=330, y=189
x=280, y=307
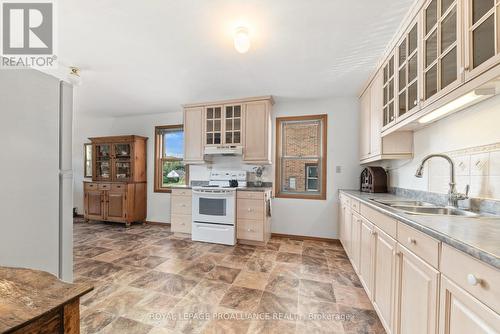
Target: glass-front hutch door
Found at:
x=213, y=130
x=122, y=161
x=232, y=129
x=102, y=153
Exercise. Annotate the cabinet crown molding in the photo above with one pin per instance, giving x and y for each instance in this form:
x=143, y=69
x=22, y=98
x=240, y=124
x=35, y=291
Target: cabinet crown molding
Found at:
x=269, y=98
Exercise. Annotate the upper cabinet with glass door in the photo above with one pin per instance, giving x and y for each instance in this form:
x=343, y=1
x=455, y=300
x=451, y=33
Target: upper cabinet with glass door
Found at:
x=388, y=93
x=213, y=126
x=408, y=92
x=223, y=125
x=232, y=125
x=482, y=36
x=442, y=52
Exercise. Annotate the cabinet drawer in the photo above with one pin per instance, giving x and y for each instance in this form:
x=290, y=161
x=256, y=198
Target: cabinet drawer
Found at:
x=463, y=270
x=385, y=223
x=104, y=186
x=419, y=243
x=344, y=200
x=250, y=209
x=118, y=187
x=355, y=205
x=180, y=223
x=250, y=194
x=250, y=230
x=181, y=192
x=181, y=205
x=91, y=186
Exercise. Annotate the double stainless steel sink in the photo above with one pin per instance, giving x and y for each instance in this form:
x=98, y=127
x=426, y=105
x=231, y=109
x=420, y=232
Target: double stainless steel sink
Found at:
x=424, y=208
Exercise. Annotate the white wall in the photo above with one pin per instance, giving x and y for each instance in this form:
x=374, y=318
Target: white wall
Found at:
x=290, y=216
x=476, y=126
x=312, y=217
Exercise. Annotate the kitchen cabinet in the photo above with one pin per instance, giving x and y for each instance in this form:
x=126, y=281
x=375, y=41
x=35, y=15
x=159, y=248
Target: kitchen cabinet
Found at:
x=416, y=283
x=181, y=210
x=347, y=221
x=461, y=313
x=258, y=132
x=366, y=256
x=240, y=123
x=193, y=136
x=365, y=125
x=253, y=223
x=417, y=294
x=355, y=240
x=407, y=70
x=374, y=147
x=444, y=50
x=482, y=39
x=116, y=202
x=388, y=92
x=384, y=274
x=442, y=47
x=223, y=125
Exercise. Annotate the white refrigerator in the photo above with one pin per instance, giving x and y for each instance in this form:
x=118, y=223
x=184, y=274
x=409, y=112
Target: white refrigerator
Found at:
x=36, y=192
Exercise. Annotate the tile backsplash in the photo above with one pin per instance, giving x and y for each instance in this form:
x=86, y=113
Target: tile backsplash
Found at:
x=477, y=166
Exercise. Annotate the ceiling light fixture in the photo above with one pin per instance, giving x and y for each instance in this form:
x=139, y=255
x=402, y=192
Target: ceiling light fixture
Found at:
x=241, y=40
x=460, y=103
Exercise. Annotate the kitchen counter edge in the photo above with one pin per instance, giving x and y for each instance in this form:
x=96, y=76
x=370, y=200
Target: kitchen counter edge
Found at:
x=478, y=253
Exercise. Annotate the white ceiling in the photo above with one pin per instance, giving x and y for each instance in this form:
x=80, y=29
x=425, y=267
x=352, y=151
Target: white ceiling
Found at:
x=151, y=56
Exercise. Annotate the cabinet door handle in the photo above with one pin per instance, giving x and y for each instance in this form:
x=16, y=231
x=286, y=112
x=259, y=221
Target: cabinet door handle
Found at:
x=250, y=230
x=412, y=241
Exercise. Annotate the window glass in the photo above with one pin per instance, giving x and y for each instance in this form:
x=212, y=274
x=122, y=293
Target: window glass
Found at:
x=302, y=152
x=170, y=169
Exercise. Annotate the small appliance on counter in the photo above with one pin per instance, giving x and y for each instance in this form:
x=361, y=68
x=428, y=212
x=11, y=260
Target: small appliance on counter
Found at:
x=214, y=207
x=374, y=180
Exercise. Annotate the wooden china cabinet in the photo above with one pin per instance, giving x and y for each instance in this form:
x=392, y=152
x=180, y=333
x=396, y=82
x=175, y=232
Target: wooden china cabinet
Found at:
x=117, y=192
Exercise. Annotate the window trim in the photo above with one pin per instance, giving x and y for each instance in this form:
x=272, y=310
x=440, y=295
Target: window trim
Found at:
x=86, y=158
x=158, y=188
x=324, y=120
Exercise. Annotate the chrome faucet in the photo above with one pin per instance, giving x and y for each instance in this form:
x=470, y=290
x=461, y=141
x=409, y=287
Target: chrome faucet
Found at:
x=453, y=195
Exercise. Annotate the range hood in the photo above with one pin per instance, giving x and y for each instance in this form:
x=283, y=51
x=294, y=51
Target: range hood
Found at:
x=224, y=150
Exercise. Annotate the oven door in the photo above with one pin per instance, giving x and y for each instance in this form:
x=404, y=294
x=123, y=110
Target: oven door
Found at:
x=214, y=206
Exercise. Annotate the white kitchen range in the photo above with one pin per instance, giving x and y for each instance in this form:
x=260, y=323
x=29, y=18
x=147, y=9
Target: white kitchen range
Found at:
x=214, y=207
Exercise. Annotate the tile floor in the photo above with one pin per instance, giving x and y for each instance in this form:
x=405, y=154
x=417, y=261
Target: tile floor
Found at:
x=149, y=280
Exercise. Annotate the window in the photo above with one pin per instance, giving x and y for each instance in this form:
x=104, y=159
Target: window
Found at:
x=169, y=167
x=301, y=157
x=87, y=160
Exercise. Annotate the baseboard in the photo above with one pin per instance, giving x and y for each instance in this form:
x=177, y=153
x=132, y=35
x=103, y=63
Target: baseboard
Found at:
x=156, y=223
x=304, y=237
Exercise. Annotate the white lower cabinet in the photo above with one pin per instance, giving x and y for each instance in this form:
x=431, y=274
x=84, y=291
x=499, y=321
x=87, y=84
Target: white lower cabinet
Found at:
x=417, y=284
x=384, y=275
x=461, y=313
x=366, y=254
x=417, y=296
x=355, y=240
